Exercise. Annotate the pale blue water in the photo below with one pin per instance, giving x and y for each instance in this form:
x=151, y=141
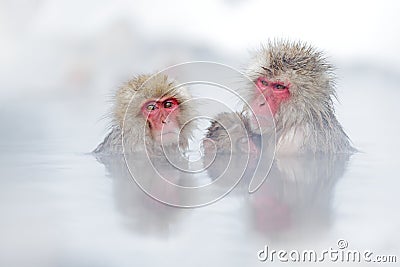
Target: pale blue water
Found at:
x=61, y=207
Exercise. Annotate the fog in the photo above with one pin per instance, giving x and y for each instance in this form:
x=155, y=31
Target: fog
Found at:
x=61, y=61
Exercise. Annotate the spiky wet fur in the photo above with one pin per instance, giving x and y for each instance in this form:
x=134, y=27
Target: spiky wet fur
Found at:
x=226, y=131
x=127, y=118
x=306, y=122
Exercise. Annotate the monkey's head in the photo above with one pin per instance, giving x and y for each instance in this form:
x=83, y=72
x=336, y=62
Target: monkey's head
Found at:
x=294, y=83
x=154, y=109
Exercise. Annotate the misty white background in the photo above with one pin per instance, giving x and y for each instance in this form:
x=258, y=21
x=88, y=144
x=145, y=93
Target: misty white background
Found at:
x=61, y=60
x=80, y=51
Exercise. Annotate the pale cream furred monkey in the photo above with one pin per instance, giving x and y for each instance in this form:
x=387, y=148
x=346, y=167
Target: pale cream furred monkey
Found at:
x=295, y=85
x=298, y=84
x=151, y=112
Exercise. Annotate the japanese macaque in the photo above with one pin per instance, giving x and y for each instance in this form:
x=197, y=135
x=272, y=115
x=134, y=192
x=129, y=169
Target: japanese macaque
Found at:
x=150, y=113
x=230, y=132
x=296, y=83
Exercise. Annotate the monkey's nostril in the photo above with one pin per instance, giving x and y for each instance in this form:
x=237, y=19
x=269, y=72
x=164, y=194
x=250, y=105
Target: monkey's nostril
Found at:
x=262, y=104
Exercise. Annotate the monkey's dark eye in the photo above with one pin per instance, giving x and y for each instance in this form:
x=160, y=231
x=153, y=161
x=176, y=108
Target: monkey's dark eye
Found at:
x=151, y=107
x=280, y=87
x=264, y=82
x=168, y=104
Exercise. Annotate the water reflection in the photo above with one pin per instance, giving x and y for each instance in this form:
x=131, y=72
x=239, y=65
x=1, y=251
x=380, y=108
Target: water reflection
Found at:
x=296, y=199
x=143, y=214
x=294, y=202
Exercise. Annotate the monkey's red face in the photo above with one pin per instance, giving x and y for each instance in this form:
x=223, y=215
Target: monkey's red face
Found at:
x=270, y=93
x=162, y=116
x=275, y=92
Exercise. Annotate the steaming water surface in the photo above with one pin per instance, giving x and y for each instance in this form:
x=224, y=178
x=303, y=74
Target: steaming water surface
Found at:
x=60, y=206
